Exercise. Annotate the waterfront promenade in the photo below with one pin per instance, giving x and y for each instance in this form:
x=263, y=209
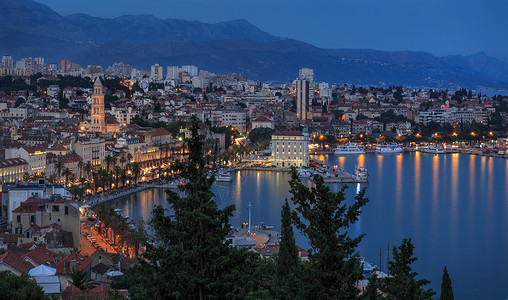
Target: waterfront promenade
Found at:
x=96, y=200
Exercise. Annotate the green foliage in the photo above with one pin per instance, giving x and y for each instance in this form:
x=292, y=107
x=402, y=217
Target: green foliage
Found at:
x=261, y=134
x=372, y=290
x=19, y=287
x=403, y=283
x=446, y=286
x=324, y=217
x=78, y=278
x=19, y=101
x=191, y=258
x=174, y=128
x=389, y=116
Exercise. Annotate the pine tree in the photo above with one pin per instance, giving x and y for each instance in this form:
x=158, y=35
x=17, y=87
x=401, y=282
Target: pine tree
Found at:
x=371, y=292
x=446, y=286
x=402, y=284
x=287, y=261
x=191, y=258
x=325, y=219
x=287, y=258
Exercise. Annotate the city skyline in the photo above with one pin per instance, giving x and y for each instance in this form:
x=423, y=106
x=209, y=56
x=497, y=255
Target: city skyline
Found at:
x=464, y=27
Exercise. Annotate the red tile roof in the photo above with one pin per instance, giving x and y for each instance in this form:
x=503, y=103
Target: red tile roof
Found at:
x=33, y=149
x=289, y=133
x=12, y=162
x=41, y=255
x=158, y=132
x=26, y=207
x=15, y=261
x=64, y=266
x=99, y=292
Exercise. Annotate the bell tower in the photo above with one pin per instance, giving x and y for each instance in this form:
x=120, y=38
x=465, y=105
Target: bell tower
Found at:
x=98, y=116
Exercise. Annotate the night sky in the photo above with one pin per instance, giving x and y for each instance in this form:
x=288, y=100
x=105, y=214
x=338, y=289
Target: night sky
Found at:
x=440, y=27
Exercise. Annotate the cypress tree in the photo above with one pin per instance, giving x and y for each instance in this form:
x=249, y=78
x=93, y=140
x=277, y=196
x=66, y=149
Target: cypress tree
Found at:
x=325, y=219
x=287, y=258
x=446, y=286
x=191, y=258
x=287, y=261
x=402, y=284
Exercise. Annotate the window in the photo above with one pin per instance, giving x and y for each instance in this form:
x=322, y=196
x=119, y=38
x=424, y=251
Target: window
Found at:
x=18, y=218
x=32, y=219
x=55, y=208
x=66, y=210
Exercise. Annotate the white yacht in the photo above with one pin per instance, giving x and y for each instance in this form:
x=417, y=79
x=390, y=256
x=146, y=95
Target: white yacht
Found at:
x=349, y=148
x=304, y=173
x=433, y=149
x=223, y=177
x=361, y=172
x=388, y=148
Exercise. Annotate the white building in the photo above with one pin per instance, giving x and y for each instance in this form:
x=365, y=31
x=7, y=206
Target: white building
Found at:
x=157, y=72
x=235, y=118
x=192, y=70
x=173, y=72
x=307, y=74
x=53, y=91
x=18, y=193
x=262, y=121
x=290, y=148
x=90, y=149
x=34, y=156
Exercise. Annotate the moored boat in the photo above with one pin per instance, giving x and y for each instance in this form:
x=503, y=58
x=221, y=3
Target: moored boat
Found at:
x=349, y=148
x=389, y=148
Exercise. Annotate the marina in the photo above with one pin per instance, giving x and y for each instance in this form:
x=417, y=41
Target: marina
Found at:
x=450, y=218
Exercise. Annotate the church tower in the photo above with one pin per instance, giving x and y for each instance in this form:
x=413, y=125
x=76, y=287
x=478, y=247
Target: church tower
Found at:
x=98, y=116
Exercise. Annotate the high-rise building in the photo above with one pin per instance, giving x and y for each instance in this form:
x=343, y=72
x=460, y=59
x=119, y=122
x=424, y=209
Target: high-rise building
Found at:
x=7, y=65
x=302, y=98
x=98, y=115
x=157, y=73
x=307, y=74
x=192, y=70
x=173, y=72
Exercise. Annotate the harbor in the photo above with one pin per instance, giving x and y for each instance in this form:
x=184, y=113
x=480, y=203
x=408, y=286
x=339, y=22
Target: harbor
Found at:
x=463, y=191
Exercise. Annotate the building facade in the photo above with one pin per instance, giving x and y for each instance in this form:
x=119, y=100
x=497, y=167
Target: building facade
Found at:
x=91, y=150
x=98, y=116
x=290, y=148
x=12, y=170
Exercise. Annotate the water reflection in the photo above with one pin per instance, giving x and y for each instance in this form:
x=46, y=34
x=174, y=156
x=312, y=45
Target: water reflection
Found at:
x=490, y=182
x=435, y=183
x=361, y=160
x=472, y=182
x=342, y=163
x=417, y=183
x=398, y=182
x=453, y=228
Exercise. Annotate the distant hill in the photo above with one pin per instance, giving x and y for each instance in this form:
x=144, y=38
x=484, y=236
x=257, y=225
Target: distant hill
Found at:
x=28, y=28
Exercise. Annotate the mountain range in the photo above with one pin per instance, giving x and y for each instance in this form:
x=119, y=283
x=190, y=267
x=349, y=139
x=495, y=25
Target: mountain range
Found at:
x=29, y=28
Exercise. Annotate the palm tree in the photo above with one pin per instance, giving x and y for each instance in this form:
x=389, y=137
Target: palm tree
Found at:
x=52, y=179
x=58, y=167
x=80, y=168
x=136, y=170
x=66, y=173
x=88, y=169
x=117, y=171
x=108, y=159
x=122, y=161
x=26, y=176
x=129, y=158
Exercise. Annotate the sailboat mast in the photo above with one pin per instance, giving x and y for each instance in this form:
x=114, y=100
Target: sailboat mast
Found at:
x=249, y=216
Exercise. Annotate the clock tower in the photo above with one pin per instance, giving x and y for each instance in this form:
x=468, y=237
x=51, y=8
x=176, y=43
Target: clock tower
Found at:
x=98, y=116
